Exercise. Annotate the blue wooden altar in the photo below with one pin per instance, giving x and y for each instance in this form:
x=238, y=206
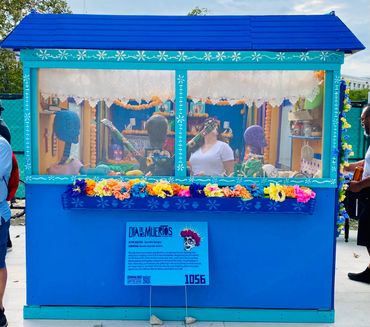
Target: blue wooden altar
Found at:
x=264, y=266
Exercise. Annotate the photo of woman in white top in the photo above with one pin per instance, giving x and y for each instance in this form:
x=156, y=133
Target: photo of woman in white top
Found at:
x=213, y=157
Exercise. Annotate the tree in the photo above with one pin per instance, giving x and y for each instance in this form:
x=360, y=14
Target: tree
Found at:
x=198, y=12
x=11, y=13
x=359, y=95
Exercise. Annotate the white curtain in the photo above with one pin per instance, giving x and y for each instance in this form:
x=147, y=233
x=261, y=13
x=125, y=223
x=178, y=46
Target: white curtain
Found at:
x=258, y=86
x=109, y=85
x=100, y=84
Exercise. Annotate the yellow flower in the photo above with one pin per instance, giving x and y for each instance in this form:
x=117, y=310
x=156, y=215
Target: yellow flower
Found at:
x=212, y=190
x=102, y=188
x=162, y=189
x=275, y=192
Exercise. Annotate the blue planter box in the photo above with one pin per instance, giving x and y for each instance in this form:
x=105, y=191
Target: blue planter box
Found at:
x=262, y=205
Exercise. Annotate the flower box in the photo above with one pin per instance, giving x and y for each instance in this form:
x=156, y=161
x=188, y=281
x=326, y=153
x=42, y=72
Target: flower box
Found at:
x=207, y=204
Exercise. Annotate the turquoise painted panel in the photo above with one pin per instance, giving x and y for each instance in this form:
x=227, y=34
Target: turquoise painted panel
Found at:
x=327, y=124
x=182, y=56
x=34, y=121
x=183, y=61
x=309, y=182
x=177, y=314
x=181, y=123
x=182, y=66
x=27, y=120
x=335, y=125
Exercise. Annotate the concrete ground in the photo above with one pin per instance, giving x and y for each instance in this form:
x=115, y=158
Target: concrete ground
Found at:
x=352, y=299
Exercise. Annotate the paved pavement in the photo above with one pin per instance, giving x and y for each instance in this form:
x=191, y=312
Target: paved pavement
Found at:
x=352, y=300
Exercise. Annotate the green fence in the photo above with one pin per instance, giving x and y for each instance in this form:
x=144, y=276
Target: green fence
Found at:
x=13, y=116
x=359, y=141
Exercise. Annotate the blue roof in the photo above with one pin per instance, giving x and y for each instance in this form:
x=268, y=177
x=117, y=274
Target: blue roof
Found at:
x=185, y=33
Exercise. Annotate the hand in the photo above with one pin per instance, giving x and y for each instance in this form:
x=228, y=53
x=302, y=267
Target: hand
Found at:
x=355, y=186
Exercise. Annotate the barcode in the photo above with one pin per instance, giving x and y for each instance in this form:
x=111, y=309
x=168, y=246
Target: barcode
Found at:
x=147, y=280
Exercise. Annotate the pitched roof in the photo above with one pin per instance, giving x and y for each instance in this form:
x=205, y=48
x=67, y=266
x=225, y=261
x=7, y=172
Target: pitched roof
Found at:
x=186, y=33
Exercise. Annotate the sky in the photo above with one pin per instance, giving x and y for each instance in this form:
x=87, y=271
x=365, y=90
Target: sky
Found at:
x=355, y=14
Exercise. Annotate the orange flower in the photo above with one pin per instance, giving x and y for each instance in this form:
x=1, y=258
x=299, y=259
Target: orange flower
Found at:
x=243, y=192
x=176, y=188
x=150, y=189
x=289, y=191
x=90, y=185
x=112, y=182
x=229, y=193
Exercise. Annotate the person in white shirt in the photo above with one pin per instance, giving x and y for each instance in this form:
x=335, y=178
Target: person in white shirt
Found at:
x=5, y=170
x=212, y=158
x=363, y=186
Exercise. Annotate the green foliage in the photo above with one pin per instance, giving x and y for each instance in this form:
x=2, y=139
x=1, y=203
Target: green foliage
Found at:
x=10, y=72
x=11, y=13
x=358, y=95
x=198, y=12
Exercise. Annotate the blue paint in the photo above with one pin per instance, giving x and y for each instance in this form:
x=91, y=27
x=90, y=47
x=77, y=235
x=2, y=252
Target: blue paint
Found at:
x=187, y=33
x=173, y=314
x=174, y=204
x=83, y=262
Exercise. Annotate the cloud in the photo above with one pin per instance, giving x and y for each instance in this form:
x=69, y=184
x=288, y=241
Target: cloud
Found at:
x=357, y=65
x=317, y=7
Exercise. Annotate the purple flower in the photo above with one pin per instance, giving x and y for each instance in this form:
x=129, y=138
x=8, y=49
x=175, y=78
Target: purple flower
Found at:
x=78, y=188
x=197, y=190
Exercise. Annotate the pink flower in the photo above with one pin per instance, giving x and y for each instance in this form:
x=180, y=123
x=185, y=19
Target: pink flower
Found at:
x=184, y=193
x=303, y=194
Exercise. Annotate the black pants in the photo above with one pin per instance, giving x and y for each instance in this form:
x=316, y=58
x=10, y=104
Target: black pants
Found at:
x=358, y=207
x=363, y=234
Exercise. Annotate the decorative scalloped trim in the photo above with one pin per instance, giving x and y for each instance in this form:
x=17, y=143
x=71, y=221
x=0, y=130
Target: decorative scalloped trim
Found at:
x=83, y=55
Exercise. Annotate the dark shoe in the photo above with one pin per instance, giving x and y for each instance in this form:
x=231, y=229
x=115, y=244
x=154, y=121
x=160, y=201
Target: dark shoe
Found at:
x=9, y=247
x=361, y=277
x=3, y=321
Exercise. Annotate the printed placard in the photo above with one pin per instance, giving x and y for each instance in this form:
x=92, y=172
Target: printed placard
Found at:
x=166, y=253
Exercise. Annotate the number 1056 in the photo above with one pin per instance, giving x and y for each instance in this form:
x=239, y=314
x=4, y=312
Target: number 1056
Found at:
x=195, y=279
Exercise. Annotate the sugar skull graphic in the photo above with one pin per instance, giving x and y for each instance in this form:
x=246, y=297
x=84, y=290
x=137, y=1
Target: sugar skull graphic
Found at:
x=191, y=239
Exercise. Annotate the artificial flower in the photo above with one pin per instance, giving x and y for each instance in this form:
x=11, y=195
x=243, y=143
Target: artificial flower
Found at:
x=304, y=194
x=162, y=189
x=185, y=191
x=138, y=190
x=196, y=190
x=228, y=192
x=212, y=190
x=289, y=191
x=102, y=188
x=121, y=190
x=77, y=188
x=176, y=188
x=242, y=192
x=90, y=185
x=275, y=192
